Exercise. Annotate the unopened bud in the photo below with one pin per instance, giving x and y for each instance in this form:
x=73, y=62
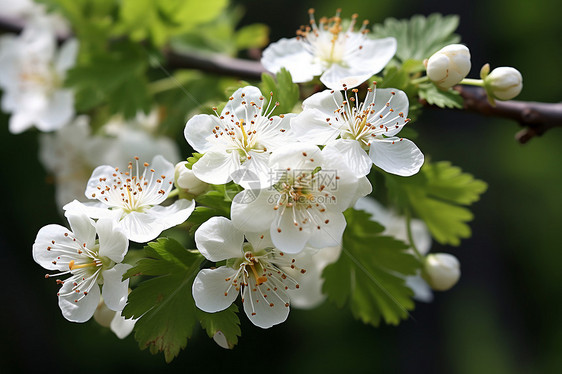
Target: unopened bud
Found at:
x=449, y=65
x=187, y=181
x=442, y=271
x=504, y=83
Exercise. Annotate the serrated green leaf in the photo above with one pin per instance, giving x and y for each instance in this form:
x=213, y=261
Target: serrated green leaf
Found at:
x=164, y=305
x=437, y=195
x=443, y=99
x=369, y=275
x=193, y=159
x=285, y=92
x=226, y=322
x=419, y=37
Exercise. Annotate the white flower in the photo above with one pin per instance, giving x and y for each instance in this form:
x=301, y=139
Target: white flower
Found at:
x=106, y=317
x=254, y=269
x=133, y=197
x=240, y=138
x=442, y=270
x=504, y=83
x=395, y=226
x=90, y=262
x=449, y=65
x=186, y=180
x=305, y=205
x=32, y=76
x=30, y=11
x=341, y=57
x=71, y=153
x=349, y=129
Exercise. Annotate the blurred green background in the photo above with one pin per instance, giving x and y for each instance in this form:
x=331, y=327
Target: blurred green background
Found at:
x=502, y=317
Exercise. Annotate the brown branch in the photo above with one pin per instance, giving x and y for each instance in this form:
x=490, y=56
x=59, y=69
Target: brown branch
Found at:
x=535, y=117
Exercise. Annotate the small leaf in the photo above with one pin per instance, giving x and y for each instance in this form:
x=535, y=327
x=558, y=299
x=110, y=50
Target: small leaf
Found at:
x=369, y=275
x=225, y=322
x=443, y=99
x=285, y=92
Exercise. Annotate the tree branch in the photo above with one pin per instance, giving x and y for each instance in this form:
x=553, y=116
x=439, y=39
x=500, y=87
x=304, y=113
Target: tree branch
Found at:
x=535, y=117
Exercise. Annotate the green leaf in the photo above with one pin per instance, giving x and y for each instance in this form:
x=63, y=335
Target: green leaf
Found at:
x=437, y=195
x=369, y=275
x=252, y=36
x=285, y=92
x=419, y=37
x=226, y=322
x=443, y=99
x=164, y=304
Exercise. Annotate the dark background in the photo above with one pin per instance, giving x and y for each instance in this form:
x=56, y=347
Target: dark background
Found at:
x=502, y=317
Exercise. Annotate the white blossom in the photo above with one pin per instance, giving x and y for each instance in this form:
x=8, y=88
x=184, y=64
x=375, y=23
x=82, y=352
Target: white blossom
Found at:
x=33, y=72
x=89, y=261
x=71, y=153
x=448, y=66
x=305, y=204
x=118, y=324
x=187, y=181
x=339, y=56
x=254, y=269
x=350, y=129
x=240, y=138
x=133, y=198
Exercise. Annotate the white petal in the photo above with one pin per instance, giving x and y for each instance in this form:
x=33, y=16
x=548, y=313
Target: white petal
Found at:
x=350, y=153
x=19, y=122
x=122, y=327
x=330, y=234
x=58, y=112
x=211, y=292
x=259, y=240
x=291, y=55
x=421, y=236
x=66, y=56
x=265, y=312
x=296, y=157
x=199, y=132
x=252, y=211
x=218, y=239
x=113, y=241
x=397, y=156
x=245, y=111
x=82, y=227
x=172, y=215
x=375, y=54
x=286, y=236
x=422, y=290
x=216, y=167
x=311, y=126
x=45, y=251
x=114, y=290
x=337, y=77
x=91, y=209
x=82, y=310
x=100, y=172
x=255, y=173
x=163, y=167
x=326, y=101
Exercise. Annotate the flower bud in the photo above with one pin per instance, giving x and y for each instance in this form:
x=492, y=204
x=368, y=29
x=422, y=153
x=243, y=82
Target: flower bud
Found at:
x=187, y=181
x=442, y=271
x=449, y=65
x=504, y=83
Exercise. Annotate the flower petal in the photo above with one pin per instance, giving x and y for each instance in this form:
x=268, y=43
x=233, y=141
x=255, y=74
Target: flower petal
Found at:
x=45, y=252
x=216, y=167
x=259, y=240
x=349, y=153
x=330, y=234
x=217, y=239
x=265, y=312
x=253, y=211
x=113, y=241
x=288, y=237
x=397, y=156
x=199, y=132
x=338, y=77
x=81, y=310
x=291, y=55
x=211, y=292
x=82, y=227
x=311, y=126
x=115, y=290
x=240, y=104
x=171, y=215
x=122, y=327
x=374, y=54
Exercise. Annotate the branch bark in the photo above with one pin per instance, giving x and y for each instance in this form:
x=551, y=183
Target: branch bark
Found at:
x=535, y=117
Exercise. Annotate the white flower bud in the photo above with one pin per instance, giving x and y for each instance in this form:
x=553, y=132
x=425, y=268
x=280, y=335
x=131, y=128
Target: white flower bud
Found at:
x=187, y=181
x=504, y=83
x=442, y=271
x=449, y=65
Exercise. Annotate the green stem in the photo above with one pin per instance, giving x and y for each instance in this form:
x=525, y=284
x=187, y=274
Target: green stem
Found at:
x=419, y=80
x=420, y=257
x=472, y=82
x=173, y=193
